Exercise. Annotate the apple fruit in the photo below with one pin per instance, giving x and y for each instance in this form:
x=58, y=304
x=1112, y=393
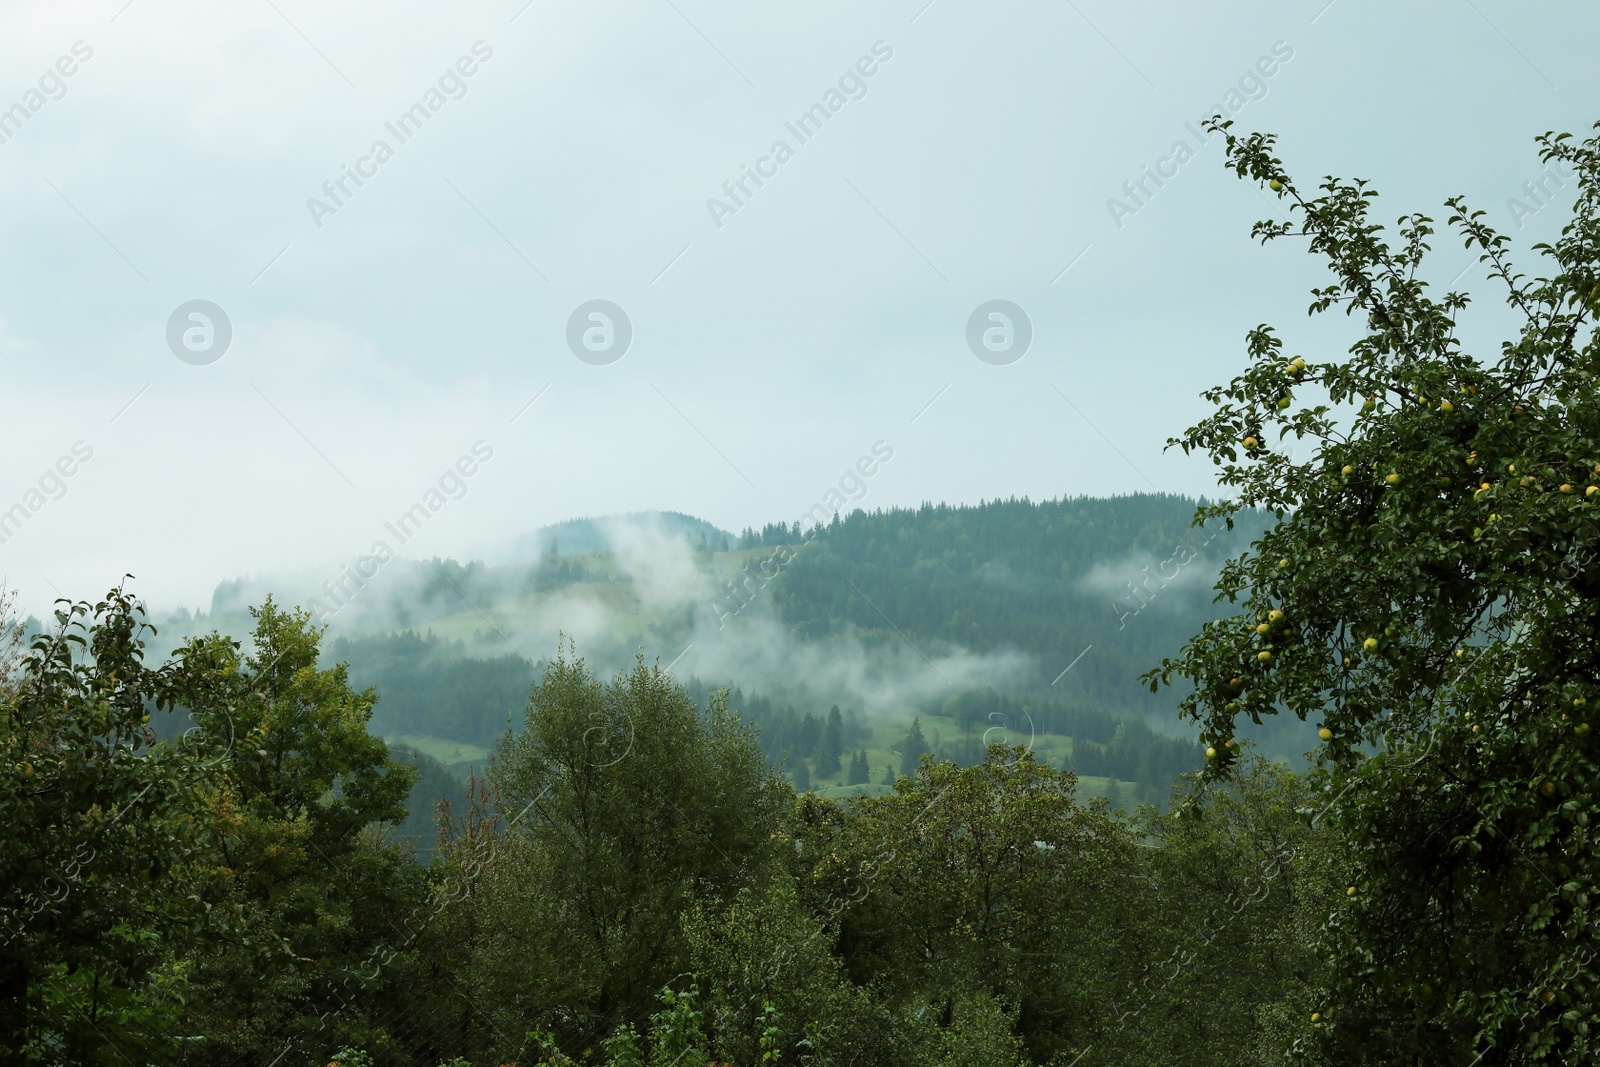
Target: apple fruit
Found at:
x=1316, y=1016
x=1325, y=733
x=1211, y=753
x=1445, y=405
x=1591, y=491
x=1566, y=487
x=1350, y=892
x=1250, y=442
x=1347, y=470
x=1548, y=788
x=1370, y=644
x=1578, y=702
x=1392, y=479
x=1283, y=405
x=1264, y=656
x=1236, y=683
x=1582, y=729
x=1274, y=616
x=1263, y=629
x=1283, y=563
x=1275, y=185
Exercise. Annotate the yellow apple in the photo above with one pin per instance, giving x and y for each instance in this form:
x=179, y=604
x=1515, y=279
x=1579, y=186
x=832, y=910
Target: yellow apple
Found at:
x=1392, y=479
x=1250, y=442
x=1566, y=487
x=1350, y=892
x=1325, y=733
x=1263, y=629
x=1445, y=405
x=1275, y=185
x=1264, y=656
x=1211, y=753
x=1347, y=470
x=1582, y=729
x=1370, y=644
x=1316, y=1016
x=1548, y=788
x=1274, y=616
x=1591, y=491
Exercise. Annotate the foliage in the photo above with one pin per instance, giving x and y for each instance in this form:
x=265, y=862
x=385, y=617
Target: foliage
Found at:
x=628, y=804
x=104, y=830
x=987, y=878
x=1430, y=592
x=310, y=891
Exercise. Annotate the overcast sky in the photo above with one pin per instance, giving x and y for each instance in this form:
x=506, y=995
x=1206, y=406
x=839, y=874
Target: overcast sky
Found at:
x=158, y=153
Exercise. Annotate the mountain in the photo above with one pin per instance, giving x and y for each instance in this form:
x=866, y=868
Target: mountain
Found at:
x=935, y=629
x=596, y=535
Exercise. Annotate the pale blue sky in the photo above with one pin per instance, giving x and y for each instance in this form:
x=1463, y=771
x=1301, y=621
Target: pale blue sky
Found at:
x=769, y=352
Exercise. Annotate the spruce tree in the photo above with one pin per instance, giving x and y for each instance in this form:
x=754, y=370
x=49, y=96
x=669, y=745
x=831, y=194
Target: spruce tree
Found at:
x=832, y=746
x=912, y=748
x=859, y=771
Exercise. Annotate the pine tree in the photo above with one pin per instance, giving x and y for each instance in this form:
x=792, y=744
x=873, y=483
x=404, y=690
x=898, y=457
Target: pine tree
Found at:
x=802, y=776
x=832, y=746
x=912, y=748
x=809, y=736
x=859, y=771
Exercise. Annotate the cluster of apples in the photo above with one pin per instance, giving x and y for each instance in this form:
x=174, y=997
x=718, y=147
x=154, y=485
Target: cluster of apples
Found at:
x=1294, y=369
x=1580, y=729
x=1270, y=621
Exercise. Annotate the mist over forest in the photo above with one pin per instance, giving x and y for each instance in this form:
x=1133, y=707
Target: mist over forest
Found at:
x=832, y=535
x=1012, y=619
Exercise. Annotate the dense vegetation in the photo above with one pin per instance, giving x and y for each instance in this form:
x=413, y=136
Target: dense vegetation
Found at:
x=632, y=883
x=201, y=864
x=1431, y=596
x=1128, y=576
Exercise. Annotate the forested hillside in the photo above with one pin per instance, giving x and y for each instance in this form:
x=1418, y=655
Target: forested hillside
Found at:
x=1106, y=587
x=1126, y=575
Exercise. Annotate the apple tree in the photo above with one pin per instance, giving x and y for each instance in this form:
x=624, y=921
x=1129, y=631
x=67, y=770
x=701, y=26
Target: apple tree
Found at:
x=1430, y=598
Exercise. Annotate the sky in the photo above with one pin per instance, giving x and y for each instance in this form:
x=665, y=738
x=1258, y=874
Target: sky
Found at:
x=222, y=355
